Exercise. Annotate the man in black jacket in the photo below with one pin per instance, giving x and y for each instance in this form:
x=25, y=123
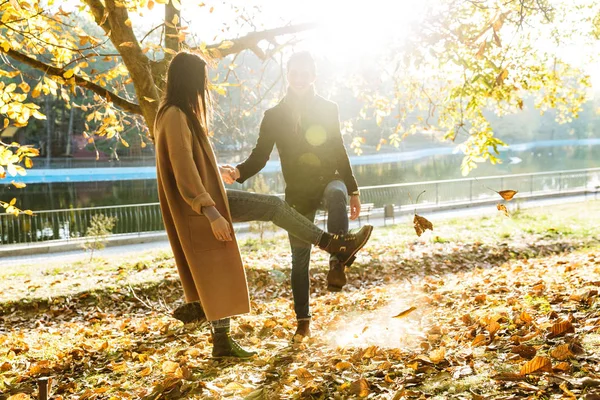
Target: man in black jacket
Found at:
x=305, y=127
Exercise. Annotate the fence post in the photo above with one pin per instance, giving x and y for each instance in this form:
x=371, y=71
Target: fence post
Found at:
x=437, y=197
x=560, y=182
x=471, y=191
x=531, y=184
x=137, y=218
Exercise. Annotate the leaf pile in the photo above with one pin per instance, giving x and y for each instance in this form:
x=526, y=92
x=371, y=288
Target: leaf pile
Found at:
x=482, y=316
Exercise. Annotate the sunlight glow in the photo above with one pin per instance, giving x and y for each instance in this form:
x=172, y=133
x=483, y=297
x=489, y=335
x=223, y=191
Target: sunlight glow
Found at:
x=357, y=29
x=379, y=328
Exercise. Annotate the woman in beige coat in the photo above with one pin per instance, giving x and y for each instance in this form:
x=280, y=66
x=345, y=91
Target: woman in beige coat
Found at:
x=198, y=211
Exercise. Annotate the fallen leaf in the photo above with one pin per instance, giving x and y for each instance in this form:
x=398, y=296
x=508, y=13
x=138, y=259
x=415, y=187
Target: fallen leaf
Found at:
x=538, y=364
x=169, y=367
x=19, y=396
x=493, y=327
x=563, y=386
x=525, y=317
x=438, y=355
x=303, y=375
x=507, y=194
x=146, y=371
x=560, y=328
x=479, y=340
x=422, y=224
x=524, y=351
x=563, y=367
x=405, y=312
x=370, y=352
x=360, y=388
x=502, y=207
x=562, y=352
x=343, y=365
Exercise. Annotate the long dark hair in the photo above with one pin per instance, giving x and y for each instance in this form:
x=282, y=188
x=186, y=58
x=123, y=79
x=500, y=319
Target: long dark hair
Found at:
x=187, y=88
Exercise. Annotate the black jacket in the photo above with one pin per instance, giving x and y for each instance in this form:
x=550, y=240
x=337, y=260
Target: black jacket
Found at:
x=310, y=148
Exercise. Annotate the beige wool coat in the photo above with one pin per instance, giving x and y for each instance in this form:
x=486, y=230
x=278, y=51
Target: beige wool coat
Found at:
x=188, y=179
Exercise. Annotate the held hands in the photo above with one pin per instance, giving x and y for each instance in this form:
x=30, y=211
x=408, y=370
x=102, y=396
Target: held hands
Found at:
x=229, y=174
x=221, y=229
x=354, y=207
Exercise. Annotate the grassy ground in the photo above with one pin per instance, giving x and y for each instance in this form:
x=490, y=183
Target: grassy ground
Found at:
x=491, y=307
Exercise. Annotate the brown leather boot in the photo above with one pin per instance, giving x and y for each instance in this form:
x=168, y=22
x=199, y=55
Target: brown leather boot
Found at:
x=336, y=277
x=302, y=330
x=189, y=312
x=346, y=246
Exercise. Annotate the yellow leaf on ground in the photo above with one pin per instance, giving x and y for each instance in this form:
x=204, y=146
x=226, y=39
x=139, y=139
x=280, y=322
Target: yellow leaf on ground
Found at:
x=493, y=327
x=343, y=365
x=538, y=364
x=370, y=352
x=360, y=388
x=560, y=328
x=19, y=396
x=405, y=312
x=146, y=371
x=438, y=355
x=303, y=375
x=169, y=367
x=525, y=317
x=479, y=340
x=562, y=352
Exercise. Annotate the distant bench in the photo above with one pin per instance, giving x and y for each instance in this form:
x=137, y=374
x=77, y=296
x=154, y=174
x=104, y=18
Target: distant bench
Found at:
x=366, y=210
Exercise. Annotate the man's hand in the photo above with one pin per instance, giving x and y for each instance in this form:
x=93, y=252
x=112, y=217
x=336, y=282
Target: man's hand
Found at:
x=354, y=207
x=228, y=173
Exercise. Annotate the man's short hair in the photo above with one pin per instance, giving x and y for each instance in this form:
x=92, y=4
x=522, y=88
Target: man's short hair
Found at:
x=302, y=57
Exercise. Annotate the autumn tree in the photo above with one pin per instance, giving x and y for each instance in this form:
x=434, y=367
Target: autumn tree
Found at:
x=465, y=58
x=462, y=58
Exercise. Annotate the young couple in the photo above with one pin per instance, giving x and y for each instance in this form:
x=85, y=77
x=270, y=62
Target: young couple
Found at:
x=198, y=211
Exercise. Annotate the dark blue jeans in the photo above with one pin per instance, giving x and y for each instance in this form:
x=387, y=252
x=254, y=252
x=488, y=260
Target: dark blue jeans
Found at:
x=335, y=201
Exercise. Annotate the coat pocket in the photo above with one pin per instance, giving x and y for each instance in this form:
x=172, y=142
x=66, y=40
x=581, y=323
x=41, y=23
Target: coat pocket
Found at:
x=201, y=235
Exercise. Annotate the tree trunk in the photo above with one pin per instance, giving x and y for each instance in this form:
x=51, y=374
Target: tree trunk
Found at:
x=49, y=119
x=70, y=131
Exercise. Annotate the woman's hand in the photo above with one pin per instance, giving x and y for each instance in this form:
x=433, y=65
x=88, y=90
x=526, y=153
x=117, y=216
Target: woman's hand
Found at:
x=222, y=229
x=227, y=173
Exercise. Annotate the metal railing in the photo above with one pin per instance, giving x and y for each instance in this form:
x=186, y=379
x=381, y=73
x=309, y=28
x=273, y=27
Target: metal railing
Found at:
x=68, y=224
x=471, y=190
x=73, y=223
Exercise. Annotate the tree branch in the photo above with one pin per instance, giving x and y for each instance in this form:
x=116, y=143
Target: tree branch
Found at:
x=82, y=82
x=251, y=40
x=99, y=13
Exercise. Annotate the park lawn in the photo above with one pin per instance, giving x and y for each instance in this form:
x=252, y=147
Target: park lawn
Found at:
x=489, y=307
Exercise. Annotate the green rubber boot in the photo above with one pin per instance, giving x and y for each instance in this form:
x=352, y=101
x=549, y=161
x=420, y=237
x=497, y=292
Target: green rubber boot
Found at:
x=225, y=346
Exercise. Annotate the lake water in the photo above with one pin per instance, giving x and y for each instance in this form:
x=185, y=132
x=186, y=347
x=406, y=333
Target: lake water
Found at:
x=385, y=168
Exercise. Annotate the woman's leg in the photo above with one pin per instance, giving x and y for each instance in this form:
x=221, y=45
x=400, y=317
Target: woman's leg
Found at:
x=223, y=344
